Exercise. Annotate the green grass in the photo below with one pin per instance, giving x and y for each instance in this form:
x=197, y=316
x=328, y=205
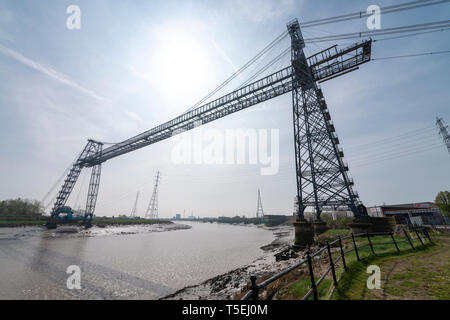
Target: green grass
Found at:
x=423, y=273
x=332, y=235
x=365, y=254
x=300, y=288
x=352, y=282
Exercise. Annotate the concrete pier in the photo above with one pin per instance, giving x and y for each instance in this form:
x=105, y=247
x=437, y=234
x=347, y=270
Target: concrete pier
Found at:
x=320, y=227
x=304, y=233
x=361, y=225
x=383, y=224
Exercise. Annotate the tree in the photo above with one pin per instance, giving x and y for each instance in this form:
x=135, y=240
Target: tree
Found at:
x=443, y=202
x=20, y=208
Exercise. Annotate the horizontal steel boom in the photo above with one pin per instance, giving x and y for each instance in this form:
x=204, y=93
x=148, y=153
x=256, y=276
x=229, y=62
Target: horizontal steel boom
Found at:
x=326, y=64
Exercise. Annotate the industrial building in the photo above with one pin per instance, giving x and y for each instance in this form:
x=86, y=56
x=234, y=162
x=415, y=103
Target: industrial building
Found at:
x=423, y=213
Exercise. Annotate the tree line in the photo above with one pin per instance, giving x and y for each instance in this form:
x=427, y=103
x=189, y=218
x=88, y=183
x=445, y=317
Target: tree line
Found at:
x=17, y=208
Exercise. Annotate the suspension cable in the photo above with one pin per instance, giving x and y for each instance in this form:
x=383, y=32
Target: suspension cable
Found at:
x=241, y=69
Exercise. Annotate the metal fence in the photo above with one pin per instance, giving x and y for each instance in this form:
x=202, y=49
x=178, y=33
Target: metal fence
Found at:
x=308, y=259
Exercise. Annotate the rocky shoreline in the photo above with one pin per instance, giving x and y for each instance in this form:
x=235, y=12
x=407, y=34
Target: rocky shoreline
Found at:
x=278, y=255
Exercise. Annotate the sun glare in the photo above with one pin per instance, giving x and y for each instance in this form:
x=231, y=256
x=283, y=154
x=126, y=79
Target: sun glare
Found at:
x=180, y=62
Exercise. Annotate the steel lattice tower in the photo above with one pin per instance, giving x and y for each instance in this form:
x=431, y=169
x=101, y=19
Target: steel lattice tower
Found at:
x=152, y=210
x=91, y=148
x=322, y=180
x=259, y=207
x=443, y=130
x=134, y=211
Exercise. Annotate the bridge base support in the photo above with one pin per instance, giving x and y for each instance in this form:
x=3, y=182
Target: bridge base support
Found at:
x=361, y=225
x=383, y=224
x=320, y=227
x=304, y=233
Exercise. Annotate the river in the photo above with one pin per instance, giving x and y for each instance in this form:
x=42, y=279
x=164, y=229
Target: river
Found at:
x=124, y=265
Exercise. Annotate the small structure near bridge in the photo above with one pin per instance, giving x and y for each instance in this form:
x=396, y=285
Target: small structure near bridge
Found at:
x=422, y=213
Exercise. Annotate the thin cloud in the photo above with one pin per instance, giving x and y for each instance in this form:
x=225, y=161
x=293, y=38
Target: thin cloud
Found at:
x=223, y=54
x=48, y=71
x=262, y=11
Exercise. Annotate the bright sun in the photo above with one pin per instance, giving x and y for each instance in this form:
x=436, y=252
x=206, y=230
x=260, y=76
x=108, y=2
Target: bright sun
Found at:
x=181, y=63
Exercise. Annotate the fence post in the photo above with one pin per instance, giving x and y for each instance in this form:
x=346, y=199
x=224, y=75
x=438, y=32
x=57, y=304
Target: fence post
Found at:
x=422, y=231
x=418, y=236
x=333, y=272
x=356, y=247
x=428, y=235
x=409, y=240
x=342, y=253
x=311, y=275
x=395, y=242
x=254, y=287
x=370, y=243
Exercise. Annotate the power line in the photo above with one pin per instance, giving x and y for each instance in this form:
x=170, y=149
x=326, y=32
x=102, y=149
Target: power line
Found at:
x=395, y=157
x=123, y=195
x=356, y=15
x=412, y=55
x=390, y=150
x=384, y=10
x=393, y=152
x=241, y=69
x=402, y=29
x=405, y=135
x=410, y=35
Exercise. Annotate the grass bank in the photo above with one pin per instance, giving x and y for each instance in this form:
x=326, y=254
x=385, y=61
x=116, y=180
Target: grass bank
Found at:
x=352, y=284
x=383, y=245
x=423, y=273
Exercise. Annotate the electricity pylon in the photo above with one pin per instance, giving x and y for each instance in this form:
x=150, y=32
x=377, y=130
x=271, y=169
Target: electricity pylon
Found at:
x=443, y=130
x=259, y=208
x=134, y=211
x=152, y=210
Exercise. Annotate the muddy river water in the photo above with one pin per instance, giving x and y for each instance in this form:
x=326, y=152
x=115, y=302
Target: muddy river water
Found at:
x=122, y=262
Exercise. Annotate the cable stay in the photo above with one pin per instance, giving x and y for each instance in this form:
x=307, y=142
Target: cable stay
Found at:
x=384, y=31
x=241, y=69
x=362, y=14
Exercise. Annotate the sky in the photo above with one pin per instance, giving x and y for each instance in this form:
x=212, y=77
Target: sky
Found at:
x=133, y=65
